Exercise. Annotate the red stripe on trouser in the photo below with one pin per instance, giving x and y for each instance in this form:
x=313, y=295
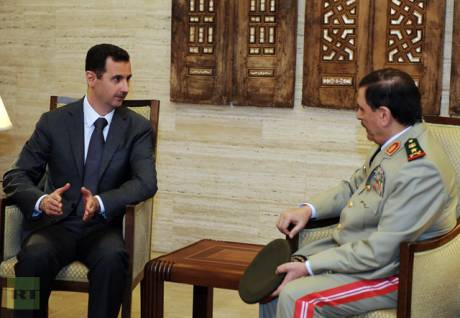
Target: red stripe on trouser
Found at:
x=305, y=306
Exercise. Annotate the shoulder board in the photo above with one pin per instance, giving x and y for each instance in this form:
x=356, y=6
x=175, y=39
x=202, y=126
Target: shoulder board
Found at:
x=413, y=149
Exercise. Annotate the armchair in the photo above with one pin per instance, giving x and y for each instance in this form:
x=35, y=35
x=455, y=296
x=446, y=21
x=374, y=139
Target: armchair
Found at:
x=137, y=227
x=429, y=277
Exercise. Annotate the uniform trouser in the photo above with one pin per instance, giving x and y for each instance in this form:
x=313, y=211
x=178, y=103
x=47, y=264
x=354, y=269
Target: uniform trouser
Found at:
x=45, y=252
x=332, y=295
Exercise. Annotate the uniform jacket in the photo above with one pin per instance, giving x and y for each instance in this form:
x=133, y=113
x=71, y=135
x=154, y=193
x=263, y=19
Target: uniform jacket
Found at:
x=391, y=200
x=127, y=172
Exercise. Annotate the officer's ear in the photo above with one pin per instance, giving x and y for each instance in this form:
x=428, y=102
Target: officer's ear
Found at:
x=385, y=116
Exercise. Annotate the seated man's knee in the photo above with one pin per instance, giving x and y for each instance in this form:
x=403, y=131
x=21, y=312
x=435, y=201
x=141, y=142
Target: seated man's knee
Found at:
x=287, y=295
x=114, y=260
x=36, y=259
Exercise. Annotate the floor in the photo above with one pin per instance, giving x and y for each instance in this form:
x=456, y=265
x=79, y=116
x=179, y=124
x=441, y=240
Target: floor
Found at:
x=178, y=303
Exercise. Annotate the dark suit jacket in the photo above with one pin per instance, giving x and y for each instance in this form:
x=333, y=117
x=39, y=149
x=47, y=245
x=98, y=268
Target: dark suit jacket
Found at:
x=127, y=173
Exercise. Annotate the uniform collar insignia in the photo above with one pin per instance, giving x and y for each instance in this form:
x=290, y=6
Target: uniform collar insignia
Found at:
x=393, y=148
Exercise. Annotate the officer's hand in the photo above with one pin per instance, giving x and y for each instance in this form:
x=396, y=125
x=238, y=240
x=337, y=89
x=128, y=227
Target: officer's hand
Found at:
x=293, y=271
x=90, y=204
x=52, y=203
x=296, y=216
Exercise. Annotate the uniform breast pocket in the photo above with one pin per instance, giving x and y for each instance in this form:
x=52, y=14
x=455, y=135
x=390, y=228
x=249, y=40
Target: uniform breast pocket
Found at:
x=370, y=202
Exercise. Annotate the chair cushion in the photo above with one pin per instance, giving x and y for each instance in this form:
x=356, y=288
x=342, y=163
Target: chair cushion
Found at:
x=76, y=271
x=12, y=238
x=435, y=293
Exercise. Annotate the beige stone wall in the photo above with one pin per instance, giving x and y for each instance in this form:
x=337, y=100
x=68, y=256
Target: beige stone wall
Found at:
x=224, y=172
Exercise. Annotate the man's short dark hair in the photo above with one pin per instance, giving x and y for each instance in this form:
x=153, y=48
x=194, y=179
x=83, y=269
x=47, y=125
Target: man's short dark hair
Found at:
x=98, y=54
x=396, y=90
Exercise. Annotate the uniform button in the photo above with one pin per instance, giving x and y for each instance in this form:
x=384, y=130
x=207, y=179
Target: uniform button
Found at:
x=339, y=226
x=350, y=204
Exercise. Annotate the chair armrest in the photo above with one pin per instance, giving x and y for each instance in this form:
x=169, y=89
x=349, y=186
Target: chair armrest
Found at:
x=10, y=229
x=137, y=233
x=314, y=230
x=429, y=279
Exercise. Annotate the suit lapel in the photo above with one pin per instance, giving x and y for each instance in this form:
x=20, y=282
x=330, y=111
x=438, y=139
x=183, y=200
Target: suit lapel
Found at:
x=74, y=125
x=115, y=136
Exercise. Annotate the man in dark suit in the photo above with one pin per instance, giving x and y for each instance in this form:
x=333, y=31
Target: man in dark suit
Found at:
x=82, y=165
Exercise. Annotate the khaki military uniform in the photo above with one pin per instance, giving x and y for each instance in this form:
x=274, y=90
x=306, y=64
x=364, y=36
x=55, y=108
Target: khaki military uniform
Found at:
x=407, y=193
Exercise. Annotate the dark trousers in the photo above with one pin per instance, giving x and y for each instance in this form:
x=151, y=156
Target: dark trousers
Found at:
x=45, y=252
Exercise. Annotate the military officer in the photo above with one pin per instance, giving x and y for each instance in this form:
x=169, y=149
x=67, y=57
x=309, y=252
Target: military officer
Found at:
x=405, y=191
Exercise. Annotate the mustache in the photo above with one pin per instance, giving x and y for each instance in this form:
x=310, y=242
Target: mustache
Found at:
x=121, y=95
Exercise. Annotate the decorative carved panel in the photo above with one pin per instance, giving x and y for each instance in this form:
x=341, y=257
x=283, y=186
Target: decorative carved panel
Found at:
x=454, y=107
x=264, y=68
x=346, y=39
x=408, y=35
x=336, y=49
x=240, y=51
x=200, y=51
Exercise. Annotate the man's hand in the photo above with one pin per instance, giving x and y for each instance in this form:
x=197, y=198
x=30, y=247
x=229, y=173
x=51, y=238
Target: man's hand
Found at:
x=52, y=203
x=90, y=204
x=297, y=216
x=293, y=271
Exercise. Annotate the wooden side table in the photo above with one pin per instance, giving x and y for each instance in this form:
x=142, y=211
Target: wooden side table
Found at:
x=205, y=264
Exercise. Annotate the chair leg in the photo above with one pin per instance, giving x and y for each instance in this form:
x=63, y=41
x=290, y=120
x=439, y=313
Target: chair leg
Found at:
x=126, y=304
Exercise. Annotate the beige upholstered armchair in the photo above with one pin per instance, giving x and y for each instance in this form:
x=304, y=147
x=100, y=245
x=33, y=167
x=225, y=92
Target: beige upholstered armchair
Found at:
x=137, y=227
x=429, y=278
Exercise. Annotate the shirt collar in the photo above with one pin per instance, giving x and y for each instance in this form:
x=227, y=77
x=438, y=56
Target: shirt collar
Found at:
x=394, y=137
x=90, y=115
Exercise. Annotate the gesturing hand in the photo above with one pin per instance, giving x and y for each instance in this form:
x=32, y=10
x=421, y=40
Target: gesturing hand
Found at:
x=90, y=204
x=52, y=203
x=297, y=216
x=293, y=271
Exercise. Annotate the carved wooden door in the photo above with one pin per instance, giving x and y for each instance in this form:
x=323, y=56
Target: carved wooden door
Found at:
x=240, y=51
x=336, y=51
x=265, y=50
x=346, y=39
x=200, y=56
x=408, y=35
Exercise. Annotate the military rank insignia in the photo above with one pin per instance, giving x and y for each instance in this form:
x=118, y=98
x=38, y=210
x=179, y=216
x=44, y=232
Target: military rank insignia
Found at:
x=413, y=149
x=393, y=148
x=377, y=181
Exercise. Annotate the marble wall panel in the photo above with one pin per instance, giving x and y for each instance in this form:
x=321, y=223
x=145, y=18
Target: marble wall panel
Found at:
x=224, y=172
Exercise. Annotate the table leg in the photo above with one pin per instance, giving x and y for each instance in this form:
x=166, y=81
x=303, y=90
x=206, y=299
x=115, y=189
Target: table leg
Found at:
x=152, y=288
x=202, y=302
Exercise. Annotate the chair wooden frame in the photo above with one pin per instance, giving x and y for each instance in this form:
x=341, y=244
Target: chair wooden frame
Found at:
x=131, y=211
x=407, y=249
